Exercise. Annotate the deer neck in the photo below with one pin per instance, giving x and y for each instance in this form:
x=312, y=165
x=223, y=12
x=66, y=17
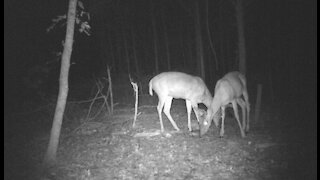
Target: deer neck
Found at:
x=207, y=99
x=215, y=105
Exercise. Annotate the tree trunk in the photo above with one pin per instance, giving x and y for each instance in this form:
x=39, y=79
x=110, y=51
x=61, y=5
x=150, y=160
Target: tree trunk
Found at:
x=184, y=47
x=126, y=50
x=241, y=37
x=119, y=57
x=111, y=51
x=155, y=39
x=103, y=48
x=222, y=43
x=199, y=47
x=166, y=42
x=50, y=156
x=134, y=50
x=210, y=39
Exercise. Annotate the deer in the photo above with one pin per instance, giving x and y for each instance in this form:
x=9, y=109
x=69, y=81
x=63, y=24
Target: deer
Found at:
x=229, y=89
x=179, y=85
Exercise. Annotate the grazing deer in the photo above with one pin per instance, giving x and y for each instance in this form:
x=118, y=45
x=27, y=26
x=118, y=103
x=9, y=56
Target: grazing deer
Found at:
x=229, y=89
x=169, y=85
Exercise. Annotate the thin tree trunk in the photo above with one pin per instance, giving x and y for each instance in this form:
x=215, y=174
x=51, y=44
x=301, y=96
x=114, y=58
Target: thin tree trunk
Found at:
x=258, y=103
x=110, y=89
x=210, y=39
x=228, y=54
x=199, y=46
x=183, y=47
x=166, y=42
x=119, y=60
x=222, y=55
x=104, y=49
x=222, y=42
x=134, y=49
x=155, y=39
x=241, y=37
x=113, y=64
x=126, y=51
x=50, y=156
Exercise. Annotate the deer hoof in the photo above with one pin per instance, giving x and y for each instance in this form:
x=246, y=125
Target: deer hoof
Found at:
x=195, y=133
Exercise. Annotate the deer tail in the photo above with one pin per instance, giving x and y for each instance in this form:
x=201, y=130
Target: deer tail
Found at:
x=150, y=88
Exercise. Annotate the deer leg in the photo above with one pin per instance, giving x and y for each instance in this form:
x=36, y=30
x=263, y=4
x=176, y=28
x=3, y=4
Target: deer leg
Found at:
x=223, y=115
x=243, y=106
x=248, y=116
x=166, y=110
x=195, y=110
x=246, y=100
x=236, y=113
x=159, y=108
x=188, y=104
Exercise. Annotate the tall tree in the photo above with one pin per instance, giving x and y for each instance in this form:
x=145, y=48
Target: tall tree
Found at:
x=155, y=37
x=199, y=46
x=209, y=36
x=111, y=51
x=166, y=41
x=126, y=50
x=50, y=156
x=241, y=38
x=134, y=50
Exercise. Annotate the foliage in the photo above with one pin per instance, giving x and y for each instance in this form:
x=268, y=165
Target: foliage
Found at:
x=82, y=20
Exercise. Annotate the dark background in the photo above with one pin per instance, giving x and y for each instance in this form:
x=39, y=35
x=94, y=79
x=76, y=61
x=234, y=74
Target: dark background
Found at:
x=280, y=41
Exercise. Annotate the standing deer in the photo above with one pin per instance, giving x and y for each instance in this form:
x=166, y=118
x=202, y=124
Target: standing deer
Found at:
x=229, y=89
x=169, y=85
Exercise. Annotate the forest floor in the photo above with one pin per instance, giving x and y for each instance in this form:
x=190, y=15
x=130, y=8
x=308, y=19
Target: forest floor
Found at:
x=109, y=148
